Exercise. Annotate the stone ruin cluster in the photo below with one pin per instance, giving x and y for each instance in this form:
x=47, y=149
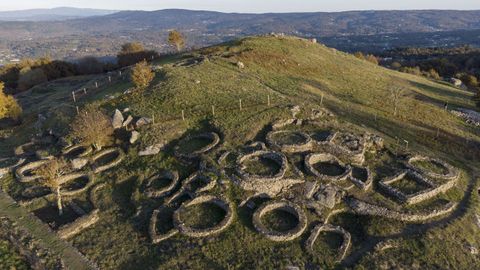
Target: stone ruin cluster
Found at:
x=344, y=150
x=291, y=187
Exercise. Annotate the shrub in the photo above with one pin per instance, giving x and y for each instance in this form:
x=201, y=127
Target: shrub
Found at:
x=30, y=77
x=176, y=39
x=132, y=53
x=142, y=75
x=92, y=127
x=9, y=107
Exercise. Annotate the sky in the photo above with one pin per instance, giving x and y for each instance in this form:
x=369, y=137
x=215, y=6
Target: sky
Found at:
x=251, y=6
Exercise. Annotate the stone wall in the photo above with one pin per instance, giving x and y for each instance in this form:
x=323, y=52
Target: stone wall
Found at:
x=366, y=209
x=314, y=158
x=287, y=206
x=20, y=172
x=194, y=232
x=342, y=251
x=215, y=140
x=79, y=225
x=159, y=193
x=111, y=164
x=306, y=145
x=152, y=228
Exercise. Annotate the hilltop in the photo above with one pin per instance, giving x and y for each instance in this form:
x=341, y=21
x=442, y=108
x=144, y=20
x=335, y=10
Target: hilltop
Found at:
x=53, y=14
x=245, y=91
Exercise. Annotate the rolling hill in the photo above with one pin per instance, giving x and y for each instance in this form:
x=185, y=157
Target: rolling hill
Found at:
x=54, y=14
x=334, y=91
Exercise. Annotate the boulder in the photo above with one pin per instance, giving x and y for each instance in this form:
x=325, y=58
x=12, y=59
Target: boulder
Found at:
x=117, y=121
x=143, y=122
x=127, y=121
x=79, y=163
x=134, y=135
x=295, y=111
x=329, y=195
x=151, y=150
x=240, y=65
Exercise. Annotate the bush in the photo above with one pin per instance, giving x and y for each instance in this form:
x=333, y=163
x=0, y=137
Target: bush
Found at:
x=30, y=77
x=142, y=75
x=89, y=65
x=92, y=127
x=9, y=107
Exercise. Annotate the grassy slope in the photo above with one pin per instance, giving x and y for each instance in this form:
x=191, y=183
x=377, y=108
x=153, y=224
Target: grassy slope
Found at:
x=292, y=72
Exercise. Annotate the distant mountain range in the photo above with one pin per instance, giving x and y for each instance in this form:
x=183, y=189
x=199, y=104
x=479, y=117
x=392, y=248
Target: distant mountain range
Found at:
x=54, y=14
x=101, y=34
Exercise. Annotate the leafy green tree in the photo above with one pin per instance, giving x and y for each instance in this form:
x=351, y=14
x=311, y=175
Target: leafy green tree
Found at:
x=9, y=107
x=142, y=74
x=176, y=39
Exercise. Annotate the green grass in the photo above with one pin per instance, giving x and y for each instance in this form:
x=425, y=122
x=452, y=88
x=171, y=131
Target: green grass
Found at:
x=292, y=72
x=203, y=216
x=261, y=166
x=280, y=221
x=10, y=258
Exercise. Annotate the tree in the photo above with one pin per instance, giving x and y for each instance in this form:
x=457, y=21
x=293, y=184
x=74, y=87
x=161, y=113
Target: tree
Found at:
x=176, y=39
x=132, y=53
x=142, y=75
x=92, y=127
x=50, y=174
x=372, y=59
x=432, y=73
x=31, y=77
x=396, y=94
x=89, y=65
x=359, y=55
x=9, y=107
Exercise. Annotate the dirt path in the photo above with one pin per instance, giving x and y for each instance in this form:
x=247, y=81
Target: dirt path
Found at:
x=72, y=258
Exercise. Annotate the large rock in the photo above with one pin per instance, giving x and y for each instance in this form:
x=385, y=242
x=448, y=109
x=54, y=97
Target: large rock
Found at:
x=134, y=136
x=143, y=122
x=151, y=150
x=79, y=163
x=329, y=195
x=128, y=121
x=117, y=121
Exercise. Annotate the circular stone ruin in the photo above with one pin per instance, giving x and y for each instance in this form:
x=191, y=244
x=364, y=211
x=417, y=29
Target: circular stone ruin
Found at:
x=361, y=177
x=77, y=151
x=194, y=145
x=290, y=141
x=8, y=164
x=24, y=173
x=73, y=184
x=162, y=184
x=262, y=160
x=106, y=159
x=201, y=231
x=285, y=206
x=431, y=167
x=327, y=167
x=342, y=251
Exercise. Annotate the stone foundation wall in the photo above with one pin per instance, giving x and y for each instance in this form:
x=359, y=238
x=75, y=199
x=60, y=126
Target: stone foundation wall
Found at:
x=20, y=172
x=111, y=164
x=342, y=251
x=211, y=136
x=79, y=225
x=193, y=232
x=307, y=145
x=287, y=206
x=324, y=157
x=366, y=209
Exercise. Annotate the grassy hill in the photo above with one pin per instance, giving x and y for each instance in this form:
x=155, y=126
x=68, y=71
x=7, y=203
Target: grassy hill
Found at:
x=289, y=71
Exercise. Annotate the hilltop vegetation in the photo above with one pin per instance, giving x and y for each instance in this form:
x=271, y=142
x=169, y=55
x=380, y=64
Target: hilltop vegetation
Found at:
x=238, y=89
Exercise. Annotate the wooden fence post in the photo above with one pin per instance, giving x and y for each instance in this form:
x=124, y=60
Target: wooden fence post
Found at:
x=240, y=103
x=183, y=115
x=73, y=95
x=96, y=84
x=321, y=101
x=85, y=91
x=78, y=111
x=268, y=100
x=109, y=79
x=213, y=111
